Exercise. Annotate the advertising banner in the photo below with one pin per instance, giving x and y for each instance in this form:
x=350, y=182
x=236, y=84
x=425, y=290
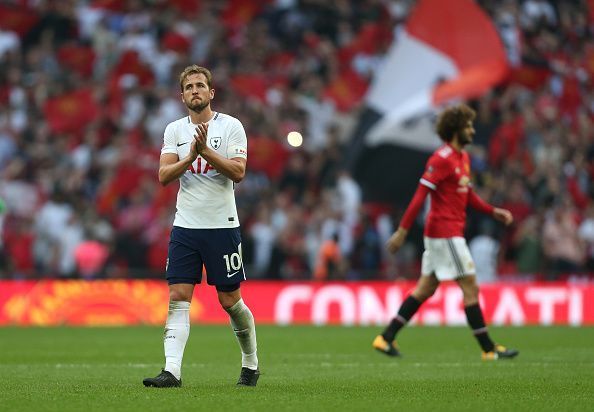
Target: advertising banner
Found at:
x=128, y=302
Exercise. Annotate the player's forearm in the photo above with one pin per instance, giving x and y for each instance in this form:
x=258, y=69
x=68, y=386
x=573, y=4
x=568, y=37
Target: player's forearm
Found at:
x=169, y=173
x=413, y=207
x=231, y=168
x=479, y=204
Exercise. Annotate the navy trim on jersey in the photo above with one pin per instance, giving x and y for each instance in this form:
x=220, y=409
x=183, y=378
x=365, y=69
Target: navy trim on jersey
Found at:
x=214, y=118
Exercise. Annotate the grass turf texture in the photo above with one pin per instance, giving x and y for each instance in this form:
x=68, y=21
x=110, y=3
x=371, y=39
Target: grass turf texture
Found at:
x=303, y=368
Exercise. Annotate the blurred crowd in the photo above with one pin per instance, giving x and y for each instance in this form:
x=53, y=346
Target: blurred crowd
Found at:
x=87, y=88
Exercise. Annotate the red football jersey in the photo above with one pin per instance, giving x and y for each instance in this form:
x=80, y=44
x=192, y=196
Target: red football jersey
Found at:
x=447, y=174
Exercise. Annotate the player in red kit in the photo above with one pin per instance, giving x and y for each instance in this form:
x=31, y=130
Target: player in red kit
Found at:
x=446, y=256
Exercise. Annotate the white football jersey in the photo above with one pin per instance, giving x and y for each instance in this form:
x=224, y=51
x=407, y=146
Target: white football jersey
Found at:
x=205, y=199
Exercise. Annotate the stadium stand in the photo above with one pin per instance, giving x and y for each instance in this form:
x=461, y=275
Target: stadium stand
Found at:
x=86, y=88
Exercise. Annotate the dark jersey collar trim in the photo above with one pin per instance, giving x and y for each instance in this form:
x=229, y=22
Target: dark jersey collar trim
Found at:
x=214, y=118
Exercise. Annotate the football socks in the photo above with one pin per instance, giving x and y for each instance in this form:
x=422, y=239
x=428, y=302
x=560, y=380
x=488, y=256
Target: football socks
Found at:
x=474, y=315
x=177, y=330
x=407, y=310
x=242, y=322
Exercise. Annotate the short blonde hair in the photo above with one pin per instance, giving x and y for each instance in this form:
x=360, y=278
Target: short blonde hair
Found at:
x=195, y=69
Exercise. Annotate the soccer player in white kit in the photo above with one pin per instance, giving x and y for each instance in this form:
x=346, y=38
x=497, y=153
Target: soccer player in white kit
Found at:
x=207, y=151
x=446, y=256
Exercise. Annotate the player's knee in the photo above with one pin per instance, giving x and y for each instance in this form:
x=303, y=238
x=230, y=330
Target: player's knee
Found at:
x=228, y=295
x=226, y=300
x=470, y=294
x=176, y=295
x=424, y=293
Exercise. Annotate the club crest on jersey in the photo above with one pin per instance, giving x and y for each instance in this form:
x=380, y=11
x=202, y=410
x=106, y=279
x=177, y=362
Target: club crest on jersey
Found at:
x=215, y=142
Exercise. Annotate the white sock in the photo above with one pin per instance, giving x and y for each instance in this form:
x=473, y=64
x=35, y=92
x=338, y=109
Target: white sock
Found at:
x=242, y=322
x=177, y=330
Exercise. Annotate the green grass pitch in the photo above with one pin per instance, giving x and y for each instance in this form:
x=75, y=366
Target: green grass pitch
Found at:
x=303, y=368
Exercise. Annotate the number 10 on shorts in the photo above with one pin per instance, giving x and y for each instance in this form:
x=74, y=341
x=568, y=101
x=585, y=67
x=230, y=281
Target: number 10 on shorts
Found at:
x=233, y=261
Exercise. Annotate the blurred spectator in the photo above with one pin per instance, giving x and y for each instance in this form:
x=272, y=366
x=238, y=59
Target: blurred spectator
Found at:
x=485, y=252
x=329, y=264
x=52, y=227
x=263, y=236
x=320, y=112
x=19, y=239
x=586, y=234
x=562, y=246
x=91, y=257
x=527, y=244
x=366, y=256
x=3, y=253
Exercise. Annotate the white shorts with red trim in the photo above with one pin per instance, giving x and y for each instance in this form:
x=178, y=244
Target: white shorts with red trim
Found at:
x=449, y=258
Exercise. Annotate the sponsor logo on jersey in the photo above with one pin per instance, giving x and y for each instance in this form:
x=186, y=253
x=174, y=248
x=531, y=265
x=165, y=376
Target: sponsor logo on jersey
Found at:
x=463, y=184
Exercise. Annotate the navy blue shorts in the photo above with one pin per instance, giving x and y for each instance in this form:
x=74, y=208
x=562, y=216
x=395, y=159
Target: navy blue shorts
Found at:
x=218, y=250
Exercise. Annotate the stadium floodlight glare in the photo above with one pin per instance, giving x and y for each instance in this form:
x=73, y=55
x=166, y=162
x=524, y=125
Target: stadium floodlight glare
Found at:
x=295, y=139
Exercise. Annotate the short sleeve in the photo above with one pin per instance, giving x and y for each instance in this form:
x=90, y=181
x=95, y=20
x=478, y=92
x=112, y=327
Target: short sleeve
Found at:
x=169, y=140
x=436, y=171
x=237, y=146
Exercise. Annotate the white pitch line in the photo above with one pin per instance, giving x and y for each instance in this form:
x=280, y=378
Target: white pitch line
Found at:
x=324, y=364
x=98, y=365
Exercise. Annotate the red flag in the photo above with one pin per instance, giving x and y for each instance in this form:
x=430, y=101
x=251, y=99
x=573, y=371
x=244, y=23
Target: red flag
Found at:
x=190, y=7
x=450, y=50
x=250, y=85
x=530, y=77
x=589, y=59
x=267, y=155
x=346, y=91
x=130, y=63
x=372, y=38
x=77, y=58
x=71, y=112
x=238, y=13
x=111, y=5
x=176, y=42
x=17, y=19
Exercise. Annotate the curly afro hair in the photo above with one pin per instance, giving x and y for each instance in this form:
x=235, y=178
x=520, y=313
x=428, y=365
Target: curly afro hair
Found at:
x=453, y=120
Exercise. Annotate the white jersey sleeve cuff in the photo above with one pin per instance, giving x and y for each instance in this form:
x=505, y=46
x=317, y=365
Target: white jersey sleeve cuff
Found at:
x=237, y=151
x=427, y=183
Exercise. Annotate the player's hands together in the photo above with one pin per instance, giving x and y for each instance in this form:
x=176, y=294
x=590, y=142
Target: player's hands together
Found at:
x=503, y=215
x=199, y=143
x=396, y=240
